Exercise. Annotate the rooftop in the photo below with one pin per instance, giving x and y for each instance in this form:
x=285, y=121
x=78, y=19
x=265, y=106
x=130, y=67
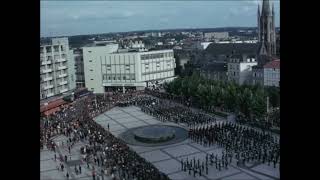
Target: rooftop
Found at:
x=232, y=48
x=273, y=64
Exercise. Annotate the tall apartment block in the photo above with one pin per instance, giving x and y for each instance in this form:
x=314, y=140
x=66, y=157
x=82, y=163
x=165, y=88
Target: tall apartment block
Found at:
x=57, y=68
x=78, y=59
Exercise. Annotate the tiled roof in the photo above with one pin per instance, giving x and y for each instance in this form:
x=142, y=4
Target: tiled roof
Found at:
x=273, y=64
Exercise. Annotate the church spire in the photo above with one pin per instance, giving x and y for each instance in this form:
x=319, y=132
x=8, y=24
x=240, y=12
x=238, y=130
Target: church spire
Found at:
x=265, y=7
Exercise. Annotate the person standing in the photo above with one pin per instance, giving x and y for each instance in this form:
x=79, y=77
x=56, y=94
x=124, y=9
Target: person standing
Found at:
x=93, y=175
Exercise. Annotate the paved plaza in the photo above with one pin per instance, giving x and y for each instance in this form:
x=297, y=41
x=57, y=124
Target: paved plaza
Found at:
x=49, y=166
x=165, y=158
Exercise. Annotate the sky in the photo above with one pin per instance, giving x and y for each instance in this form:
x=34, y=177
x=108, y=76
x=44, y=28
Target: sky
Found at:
x=67, y=18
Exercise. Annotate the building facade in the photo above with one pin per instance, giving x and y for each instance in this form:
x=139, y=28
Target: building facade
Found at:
x=240, y=68
x=271, y=73
x=78, y=59
x=257, y=75
x=57, y=70
x=107, y=67
x=216, y=35
x=215, y=71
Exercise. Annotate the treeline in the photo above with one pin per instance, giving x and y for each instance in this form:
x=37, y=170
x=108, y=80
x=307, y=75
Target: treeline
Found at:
x=248, y=100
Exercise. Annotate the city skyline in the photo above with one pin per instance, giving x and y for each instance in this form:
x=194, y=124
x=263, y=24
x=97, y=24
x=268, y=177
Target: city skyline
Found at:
x=67, y=18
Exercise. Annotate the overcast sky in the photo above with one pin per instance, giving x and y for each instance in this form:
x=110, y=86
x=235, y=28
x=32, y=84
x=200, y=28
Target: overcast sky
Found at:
x=64, y=18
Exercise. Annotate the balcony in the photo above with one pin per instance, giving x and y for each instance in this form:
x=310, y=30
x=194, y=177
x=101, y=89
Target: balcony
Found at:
x=63, y=90
x=63, y=83
x=50, y=94
x=61, y=60
x=46, y=70
x=46, y=62
x=62, y=75
x=48, y=87
x=47, y=79
x=62, y=67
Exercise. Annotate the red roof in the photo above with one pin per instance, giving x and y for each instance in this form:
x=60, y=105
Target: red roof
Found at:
x=273, y=64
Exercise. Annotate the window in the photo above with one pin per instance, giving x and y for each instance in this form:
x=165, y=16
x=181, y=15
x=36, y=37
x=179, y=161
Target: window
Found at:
x=91, y=69
x=127, y=67
x=234, y=73
x=89, y=51
x=109, y=67
x=48, y=49
x=90, y=60
x=56, y=48
x=124, y=77
x=91, y=79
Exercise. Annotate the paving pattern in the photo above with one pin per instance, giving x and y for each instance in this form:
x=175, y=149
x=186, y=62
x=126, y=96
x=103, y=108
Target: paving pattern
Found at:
x=166, y=158
x=49, y=166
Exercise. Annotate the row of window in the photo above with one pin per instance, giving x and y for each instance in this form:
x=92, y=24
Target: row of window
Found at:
x=159, y=71
x=56, y=57
x=233, y=67
x=118, y=77
x=156, y=55
x=50, y=48
x=234, y=73
x=158, y=65
x=126, y=67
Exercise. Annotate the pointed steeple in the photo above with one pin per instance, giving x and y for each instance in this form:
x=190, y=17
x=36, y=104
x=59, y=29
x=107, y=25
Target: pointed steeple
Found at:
x=265, y=7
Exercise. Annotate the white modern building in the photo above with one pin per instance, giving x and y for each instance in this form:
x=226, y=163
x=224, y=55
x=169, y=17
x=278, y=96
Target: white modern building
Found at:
x=271, y=72
x=108, y=67
x=57, y=70
x=240, y=69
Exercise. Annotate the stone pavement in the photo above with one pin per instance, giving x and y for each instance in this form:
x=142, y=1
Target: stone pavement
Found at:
x=49, y=166
x=167, y=158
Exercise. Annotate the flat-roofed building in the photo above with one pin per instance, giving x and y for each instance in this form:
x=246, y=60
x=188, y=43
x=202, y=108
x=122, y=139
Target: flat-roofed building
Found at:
x=57, y=70
x=108, y=67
